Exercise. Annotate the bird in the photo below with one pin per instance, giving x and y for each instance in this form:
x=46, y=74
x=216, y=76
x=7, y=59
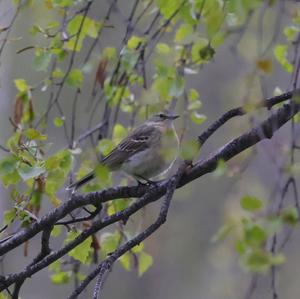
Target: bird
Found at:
x=147, y=152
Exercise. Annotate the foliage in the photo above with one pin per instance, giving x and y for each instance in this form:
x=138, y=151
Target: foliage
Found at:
x=180, y=40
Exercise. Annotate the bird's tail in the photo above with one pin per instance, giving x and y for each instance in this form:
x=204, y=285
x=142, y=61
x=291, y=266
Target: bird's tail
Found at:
x=81, y=182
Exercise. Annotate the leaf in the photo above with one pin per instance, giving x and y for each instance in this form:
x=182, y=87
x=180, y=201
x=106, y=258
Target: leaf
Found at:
x=101, y=71
x=18, y=110
x=105, y=146
x=34, y=134
x=109, y=242
x=103, y=174
x=280, y=52
x=162, y=48
x=61, y=277
x=290, y=216
x=55, y=201
x=198, y=118
x=125, y=261
x=195, y=105
x=10, y=216
x=117, y=206
x=8, y=165
x=251, y=203
x=264, y=65
x=28, y=172
x=88, y=26
x=184, y=34
x=56, y=231
x=189, y=149
x=220, y=169
x=82, y=251
x=223, y=232
x=59, y=121
x=291, y=32
x=135, y=41
x=256, y=261
x=21, y=85
x=42, y=59
x=193, y=95
x=168, y=7
x=177, y=87
x=254, y=235
x=3, y=296
x=119, y=133
x=75, y=78
x=145, y=262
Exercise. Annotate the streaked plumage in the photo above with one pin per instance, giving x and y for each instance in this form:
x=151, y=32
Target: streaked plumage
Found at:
x=146, y=152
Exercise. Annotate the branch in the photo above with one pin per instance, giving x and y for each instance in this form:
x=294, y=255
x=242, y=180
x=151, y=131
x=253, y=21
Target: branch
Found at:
x=105, y=265
x=149, y=194
x=239, y=111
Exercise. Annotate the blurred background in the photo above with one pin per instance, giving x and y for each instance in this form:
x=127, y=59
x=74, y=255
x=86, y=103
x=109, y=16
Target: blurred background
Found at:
x=187, y=264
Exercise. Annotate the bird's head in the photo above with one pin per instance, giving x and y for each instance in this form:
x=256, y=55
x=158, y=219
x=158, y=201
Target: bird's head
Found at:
x=163, y=117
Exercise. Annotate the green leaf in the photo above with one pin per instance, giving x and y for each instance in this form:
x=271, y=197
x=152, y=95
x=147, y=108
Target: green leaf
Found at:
x=109, y=53
x=42, y=59
x=290, y=216
x=61, y=277
x=62, y=3
x=184, y=34
x=10, y=216
x=168, y=7
x=138, y=248
x=105, y=146
x=145, y=261
x=194, y=105
x=135, y=41
x=280, y=52
x=177, y=87
x=197, y=50
x=3, y=296
x=254, y=235
x=119, y=133
x=198, y=118
x=256, y=261
x=88, y=26
x=8, y=165
x=21, y=85
x=291, y=32
x=223, y=232
x=251, y=203
x=57, y=73
x=59, y=121
x=103, y=174
x=162, y=48
x=220, y=169
x=56, y=231
x=125, y=261
x=193, y=95
x=109, y=242
x=75, y=78
x=189, y=149
x=117, y=206
x=34, y=134
x=83, y=250
x=28, y=172
x=214, y=18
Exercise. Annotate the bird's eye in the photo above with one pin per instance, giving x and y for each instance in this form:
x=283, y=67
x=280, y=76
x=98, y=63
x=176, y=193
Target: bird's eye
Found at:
x=161, y=115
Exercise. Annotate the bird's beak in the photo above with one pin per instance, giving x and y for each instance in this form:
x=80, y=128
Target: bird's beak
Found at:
x=172, y=117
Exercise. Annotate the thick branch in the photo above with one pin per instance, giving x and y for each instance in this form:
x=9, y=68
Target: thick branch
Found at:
x=265, y=130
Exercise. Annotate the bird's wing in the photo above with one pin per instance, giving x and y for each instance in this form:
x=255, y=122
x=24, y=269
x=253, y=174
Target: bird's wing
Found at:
x=135, y=142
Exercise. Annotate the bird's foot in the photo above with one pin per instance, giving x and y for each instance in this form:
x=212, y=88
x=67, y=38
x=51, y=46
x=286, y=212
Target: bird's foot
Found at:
x=147, y=182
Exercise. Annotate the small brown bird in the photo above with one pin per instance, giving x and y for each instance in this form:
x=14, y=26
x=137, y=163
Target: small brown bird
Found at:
x=148, y=151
